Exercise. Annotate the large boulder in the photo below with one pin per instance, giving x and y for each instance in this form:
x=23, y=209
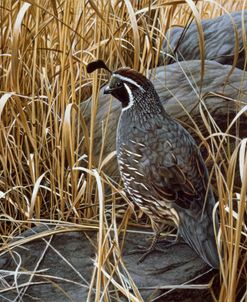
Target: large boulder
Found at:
x=219, y=36
x=57, y=265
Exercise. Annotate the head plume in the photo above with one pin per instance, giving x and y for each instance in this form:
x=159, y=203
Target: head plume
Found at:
x=91, y=67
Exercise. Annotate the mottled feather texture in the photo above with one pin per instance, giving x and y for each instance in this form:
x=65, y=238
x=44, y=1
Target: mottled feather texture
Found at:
x=162, y=169
x=161, y=165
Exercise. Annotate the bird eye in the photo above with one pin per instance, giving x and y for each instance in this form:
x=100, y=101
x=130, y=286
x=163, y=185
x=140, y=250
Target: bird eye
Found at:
x=119, y=84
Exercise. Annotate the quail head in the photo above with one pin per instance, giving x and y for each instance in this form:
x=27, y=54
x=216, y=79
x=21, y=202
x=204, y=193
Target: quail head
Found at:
x=160, y=164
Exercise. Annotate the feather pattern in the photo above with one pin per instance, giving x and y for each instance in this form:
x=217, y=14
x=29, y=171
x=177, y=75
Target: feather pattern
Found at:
x=175, y=177
x=161, y=165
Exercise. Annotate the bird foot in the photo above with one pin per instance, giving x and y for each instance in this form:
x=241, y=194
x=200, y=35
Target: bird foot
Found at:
x=146, y=252
x=153, y=247
x=170, y=242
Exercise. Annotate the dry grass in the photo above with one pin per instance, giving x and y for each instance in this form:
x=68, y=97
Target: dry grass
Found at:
x=45, y=46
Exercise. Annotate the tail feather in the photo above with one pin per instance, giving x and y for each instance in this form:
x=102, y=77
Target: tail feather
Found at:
x=200, y=236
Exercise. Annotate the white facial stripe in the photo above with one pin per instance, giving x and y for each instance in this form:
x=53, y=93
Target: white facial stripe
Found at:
x=118, y=76
x=131, y=98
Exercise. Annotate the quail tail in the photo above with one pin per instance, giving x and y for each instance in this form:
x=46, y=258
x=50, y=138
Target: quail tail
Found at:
x=200, y=236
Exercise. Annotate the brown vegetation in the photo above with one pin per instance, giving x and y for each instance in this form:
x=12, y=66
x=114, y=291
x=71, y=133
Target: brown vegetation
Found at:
x=45, y=46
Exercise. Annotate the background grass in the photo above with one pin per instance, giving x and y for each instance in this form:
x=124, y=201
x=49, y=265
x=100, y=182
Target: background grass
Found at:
x=45, y=46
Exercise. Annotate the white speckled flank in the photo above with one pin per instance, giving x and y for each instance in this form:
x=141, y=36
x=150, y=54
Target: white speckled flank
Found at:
x=138, y=173
x=132, y=168
x=142, y=145
x=141, y=184
x=129, y=153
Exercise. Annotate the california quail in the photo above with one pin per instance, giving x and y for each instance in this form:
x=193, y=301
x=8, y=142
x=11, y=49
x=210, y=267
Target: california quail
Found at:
x=161, y=165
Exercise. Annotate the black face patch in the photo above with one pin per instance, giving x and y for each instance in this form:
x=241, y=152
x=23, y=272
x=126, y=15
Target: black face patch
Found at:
x=121, y=94
x=119, y=91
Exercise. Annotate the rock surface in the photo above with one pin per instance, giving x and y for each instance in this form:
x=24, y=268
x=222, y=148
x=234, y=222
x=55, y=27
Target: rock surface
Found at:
x=219, y=37
x=64, y=268
x=178, y=86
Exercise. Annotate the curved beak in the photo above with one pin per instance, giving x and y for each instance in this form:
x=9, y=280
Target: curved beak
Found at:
x=107, y=90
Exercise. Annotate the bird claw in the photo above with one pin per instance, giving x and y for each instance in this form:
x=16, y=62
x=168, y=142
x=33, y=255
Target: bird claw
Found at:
x=144, y=256
x=153, y=248
x=170, y=242
x=145, y=251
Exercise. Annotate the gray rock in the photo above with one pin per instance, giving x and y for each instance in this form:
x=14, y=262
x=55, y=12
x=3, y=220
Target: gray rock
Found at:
x=74, y=284
x=62, y=270
x=219, y=39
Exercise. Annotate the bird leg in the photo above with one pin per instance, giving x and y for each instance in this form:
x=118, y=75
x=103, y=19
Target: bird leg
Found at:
x=147, y=251
x=170, y=242
x=153, y=246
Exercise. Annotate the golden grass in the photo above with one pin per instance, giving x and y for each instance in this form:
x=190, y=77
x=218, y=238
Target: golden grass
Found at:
x=45, y=46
